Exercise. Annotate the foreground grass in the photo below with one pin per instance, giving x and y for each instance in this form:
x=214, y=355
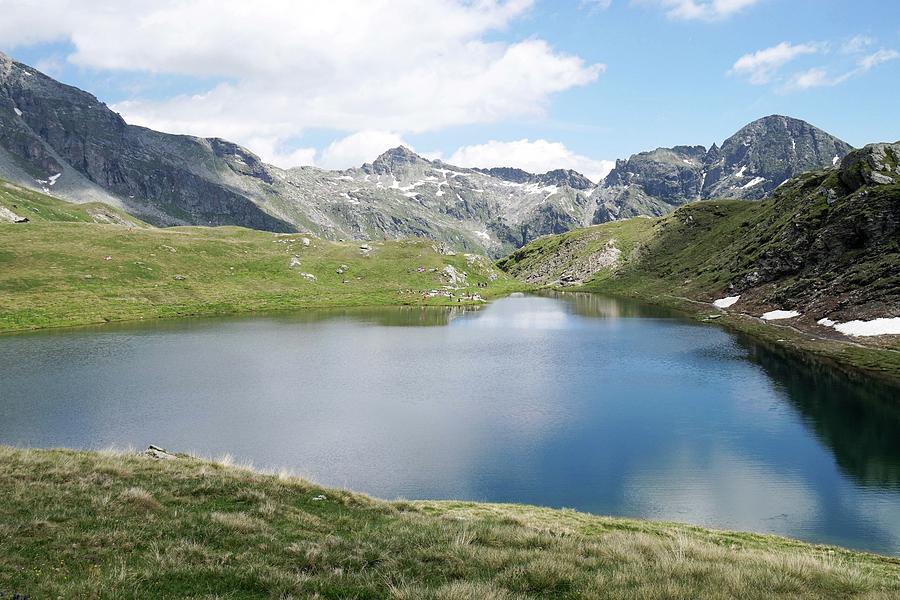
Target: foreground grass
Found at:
x=99, y=525
x=84, y=264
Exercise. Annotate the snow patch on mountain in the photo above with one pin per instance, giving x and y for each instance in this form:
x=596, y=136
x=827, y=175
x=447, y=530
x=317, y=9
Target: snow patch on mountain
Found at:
x=726, y=301
x=776, y=315
x=753, y=182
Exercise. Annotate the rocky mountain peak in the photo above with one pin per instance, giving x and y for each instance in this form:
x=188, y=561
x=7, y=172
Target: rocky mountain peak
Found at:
x=750, y=164
x=767, y=152
x=400, y=153
x=782, y=131
x=511, y=174
x=568, y=177
x=557, y=177
x=396, y=161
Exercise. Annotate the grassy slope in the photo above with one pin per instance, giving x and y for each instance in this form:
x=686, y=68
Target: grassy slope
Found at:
x=41, y=208
x=688, y=258
x=62, y=269
x=575, y=245
x=89, y=525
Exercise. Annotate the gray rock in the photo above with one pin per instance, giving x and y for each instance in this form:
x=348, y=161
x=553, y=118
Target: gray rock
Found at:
x=876, y=164
x=159, y=453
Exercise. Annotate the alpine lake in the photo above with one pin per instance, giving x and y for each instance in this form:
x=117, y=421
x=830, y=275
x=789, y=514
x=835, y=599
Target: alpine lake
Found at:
x=571, y=400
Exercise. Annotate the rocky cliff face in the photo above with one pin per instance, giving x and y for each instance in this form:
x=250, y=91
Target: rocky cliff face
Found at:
x=651, y=183
x=64, y=141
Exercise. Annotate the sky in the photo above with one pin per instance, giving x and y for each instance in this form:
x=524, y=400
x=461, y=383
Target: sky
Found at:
x=535, y=84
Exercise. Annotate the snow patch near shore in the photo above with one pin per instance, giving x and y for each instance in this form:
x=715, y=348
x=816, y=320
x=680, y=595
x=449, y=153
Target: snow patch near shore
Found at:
x=774, y=315
x=726, y=301
x=883, y=326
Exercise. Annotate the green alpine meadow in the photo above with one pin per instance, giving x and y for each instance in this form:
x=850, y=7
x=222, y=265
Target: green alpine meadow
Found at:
x=75, y=264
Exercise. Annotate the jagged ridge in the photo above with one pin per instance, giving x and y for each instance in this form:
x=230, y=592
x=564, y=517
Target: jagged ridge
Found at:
x=64, y=141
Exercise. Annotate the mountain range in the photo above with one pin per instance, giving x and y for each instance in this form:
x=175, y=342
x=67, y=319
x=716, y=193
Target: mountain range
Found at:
x=64, y=141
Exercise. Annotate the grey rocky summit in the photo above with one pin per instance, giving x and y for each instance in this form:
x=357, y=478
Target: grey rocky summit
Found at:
x=749, y=165
x=64, y=141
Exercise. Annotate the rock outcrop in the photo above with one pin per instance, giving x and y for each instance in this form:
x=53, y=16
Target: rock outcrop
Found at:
x=840, y=258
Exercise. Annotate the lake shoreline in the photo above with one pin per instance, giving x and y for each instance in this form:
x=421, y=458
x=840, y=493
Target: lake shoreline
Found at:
x=252, y=312
x=851, y=357
x=70, y=515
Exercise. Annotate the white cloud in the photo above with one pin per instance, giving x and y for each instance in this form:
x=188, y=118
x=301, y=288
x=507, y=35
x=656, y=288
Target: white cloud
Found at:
x=273, y=153
x=700, y=10
x=405, y=66
x=762, y=66
x=538, y=156
x=359, y=148
x=821, y=77
x=595, y=4
x=876, y=58
x=815, y=77
x=857, y=43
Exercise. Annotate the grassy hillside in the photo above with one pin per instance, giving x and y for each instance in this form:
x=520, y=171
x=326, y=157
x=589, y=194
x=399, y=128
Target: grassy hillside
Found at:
x=823, y=245
x=79, y=264
x=37, y=207
x=99, y=525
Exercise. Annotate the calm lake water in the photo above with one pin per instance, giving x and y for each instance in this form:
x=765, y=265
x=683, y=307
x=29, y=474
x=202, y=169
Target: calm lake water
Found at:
x=572, y=401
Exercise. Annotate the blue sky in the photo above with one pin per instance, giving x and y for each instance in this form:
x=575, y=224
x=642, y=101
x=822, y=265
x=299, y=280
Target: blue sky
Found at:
x=536, y=84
